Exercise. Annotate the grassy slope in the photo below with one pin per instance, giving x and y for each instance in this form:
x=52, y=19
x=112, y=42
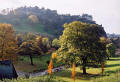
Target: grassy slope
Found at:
x=29, y=28
x=23, y=26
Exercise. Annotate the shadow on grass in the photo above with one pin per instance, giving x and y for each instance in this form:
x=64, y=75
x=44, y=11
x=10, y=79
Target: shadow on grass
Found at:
x=68, y=74
x=114, y=59
x=107, y=73
x=87, y=76
x=112, y=65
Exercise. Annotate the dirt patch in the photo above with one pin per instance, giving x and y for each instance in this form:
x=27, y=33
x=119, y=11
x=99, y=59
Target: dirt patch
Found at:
x=26, y=67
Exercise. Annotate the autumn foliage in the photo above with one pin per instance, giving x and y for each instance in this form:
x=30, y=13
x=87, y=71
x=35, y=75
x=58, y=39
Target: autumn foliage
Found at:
x=54, y=55
x=34, y=18
x=8, y=43
x=73, y=71
x=50, y=66
x=39, y=41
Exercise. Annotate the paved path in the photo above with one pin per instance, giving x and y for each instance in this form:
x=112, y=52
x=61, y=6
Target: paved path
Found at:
x=41, y=73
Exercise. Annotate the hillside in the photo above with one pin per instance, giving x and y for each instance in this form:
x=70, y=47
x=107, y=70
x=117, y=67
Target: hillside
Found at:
x=35, y=19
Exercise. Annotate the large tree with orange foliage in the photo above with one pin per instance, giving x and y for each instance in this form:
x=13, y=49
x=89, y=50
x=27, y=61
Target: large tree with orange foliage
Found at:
x=8, y=43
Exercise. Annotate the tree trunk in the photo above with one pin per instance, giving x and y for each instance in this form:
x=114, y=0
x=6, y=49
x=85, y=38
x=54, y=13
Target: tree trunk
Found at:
x=31, y=60
x=108, y=57
x=84, y=66
x=84, y=70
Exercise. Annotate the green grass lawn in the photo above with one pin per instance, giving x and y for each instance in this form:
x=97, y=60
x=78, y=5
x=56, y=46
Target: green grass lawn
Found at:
x=40, y=63
x=112, y=66
x=111, y=78
x=111, y=73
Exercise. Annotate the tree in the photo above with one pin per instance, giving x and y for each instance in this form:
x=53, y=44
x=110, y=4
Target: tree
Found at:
x=29, y=48
x=55, y=43
x=4, y=11
x=28, y=36
x=110, y=49
x=34, y=18
x=88, y=17
x=8, y=42
x=43, y=43
x=39, y=42
x=80, y=43
x=19, y=39
x=46, y=44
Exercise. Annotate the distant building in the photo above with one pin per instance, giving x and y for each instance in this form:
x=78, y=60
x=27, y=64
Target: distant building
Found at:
x=7, y=70
x=88, y=17
x=113, y=35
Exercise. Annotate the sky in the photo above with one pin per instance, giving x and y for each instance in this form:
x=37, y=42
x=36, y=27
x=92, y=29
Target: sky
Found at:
x=105, y=12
